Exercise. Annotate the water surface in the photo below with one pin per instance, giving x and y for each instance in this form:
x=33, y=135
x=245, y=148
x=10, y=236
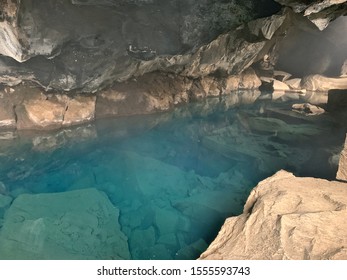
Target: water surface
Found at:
x=152, y=187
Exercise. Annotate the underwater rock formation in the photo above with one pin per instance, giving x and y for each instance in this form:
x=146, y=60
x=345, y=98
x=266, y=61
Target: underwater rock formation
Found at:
x=80, y=224
x=286, y=217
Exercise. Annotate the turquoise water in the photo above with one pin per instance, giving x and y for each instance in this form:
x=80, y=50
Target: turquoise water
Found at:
x=152, y=187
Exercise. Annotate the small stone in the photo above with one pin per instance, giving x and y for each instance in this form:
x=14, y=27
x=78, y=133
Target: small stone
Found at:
x=308, y=109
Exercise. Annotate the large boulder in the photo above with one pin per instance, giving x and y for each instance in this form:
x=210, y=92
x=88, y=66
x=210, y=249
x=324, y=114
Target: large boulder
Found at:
x=80, y=224
x=286, y=217
x=322, y=83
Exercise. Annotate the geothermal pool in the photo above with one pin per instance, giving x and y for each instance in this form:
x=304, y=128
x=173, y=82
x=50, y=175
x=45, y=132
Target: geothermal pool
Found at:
x=152, y=187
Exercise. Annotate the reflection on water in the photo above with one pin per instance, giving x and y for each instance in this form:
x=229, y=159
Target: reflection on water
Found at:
x=152, y=187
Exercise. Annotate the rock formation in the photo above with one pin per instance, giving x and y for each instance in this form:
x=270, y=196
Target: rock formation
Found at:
x=89, y=45
x=288, y=218
x=342, y=171
x=80, y=224
x=136, y=57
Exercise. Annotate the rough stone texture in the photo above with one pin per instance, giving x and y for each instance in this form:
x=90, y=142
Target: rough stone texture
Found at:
x=320, y=12
x=342, y=171
x=28, y=107
x=322, y=83
x=79, y=109
x=308, y=109
x=72, y=225
x=85, y=44
x=289, y=218
x=294, y=84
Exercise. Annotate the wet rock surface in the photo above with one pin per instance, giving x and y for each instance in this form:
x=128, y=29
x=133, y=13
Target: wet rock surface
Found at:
x=27, y=106
x=72, y=225
x=286, y=217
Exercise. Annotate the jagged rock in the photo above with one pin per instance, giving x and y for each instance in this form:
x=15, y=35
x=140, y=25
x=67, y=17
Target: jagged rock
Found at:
x=308, y=109
x=248, y=79
x=342, y=171
x=322, y=83
x=305, y=50
x=79, y=224
x=286, y=217
x=320, y=12
x=85, y=45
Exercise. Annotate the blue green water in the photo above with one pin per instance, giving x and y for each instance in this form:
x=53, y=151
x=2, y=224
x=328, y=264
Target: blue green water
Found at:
x=152, y=187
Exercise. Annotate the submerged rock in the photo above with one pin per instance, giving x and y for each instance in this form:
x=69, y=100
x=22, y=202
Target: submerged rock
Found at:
x=286, y=217
x=79, y=224
x=5, y=202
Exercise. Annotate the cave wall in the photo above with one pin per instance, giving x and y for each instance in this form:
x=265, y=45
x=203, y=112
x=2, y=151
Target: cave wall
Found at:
x=68, y=45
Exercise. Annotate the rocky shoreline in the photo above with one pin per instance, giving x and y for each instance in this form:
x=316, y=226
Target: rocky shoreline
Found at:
x=288, y=218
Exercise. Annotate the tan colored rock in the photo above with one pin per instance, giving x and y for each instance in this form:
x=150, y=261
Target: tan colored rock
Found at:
x=248, y=79
x=289, y=218
x=40, y=113
x=322, y=83
x=293, y=84
x=80, y=109
x=211, y=86
x=342, y=171
x=278, y=85
x=308, y=109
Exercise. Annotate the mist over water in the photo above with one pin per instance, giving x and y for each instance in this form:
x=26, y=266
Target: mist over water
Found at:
x=152, y=187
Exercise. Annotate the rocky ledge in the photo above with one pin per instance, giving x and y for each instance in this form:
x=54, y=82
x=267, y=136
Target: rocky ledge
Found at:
x=287, y=218
x=27, y=106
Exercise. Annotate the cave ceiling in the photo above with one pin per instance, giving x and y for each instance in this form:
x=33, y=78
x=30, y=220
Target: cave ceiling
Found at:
x=89, y=44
